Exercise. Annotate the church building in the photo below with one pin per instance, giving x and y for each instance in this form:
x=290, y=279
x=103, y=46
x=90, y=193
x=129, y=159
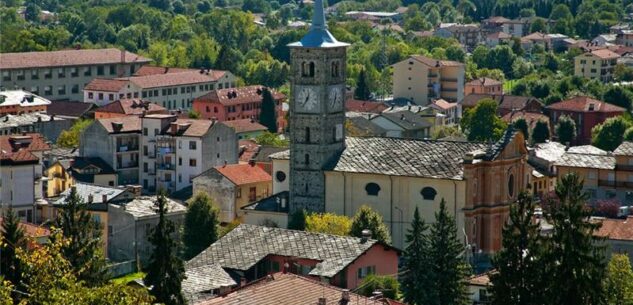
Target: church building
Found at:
x=329, y=172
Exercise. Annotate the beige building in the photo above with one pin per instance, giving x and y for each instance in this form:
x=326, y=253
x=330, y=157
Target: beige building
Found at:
x=58, y=75
x=421, y=79
x=597, y=64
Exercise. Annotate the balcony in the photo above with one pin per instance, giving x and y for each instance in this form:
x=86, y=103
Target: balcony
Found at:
x=165, y=166
x=448, y=79
x=449, y=89
x=126, y=165
x=127, y=148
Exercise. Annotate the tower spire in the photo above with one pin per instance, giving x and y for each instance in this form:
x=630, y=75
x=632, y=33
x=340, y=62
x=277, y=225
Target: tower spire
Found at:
x=318, y=16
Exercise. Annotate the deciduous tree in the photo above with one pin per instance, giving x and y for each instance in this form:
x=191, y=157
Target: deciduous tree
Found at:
x=619, y=280
x=328, y=223
x=609, y=135
x=566, y=129
x=482, y=123
x=540, y=132
x=368, y=219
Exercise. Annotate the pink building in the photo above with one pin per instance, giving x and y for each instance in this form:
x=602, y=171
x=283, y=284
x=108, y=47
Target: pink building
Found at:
x=255, y=252
x=236, y=104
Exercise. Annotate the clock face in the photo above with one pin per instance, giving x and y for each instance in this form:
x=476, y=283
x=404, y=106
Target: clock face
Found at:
x=335, y=98
x=307, y=98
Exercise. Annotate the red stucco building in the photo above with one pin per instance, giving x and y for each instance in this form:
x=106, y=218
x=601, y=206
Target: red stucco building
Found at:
x=586, y=112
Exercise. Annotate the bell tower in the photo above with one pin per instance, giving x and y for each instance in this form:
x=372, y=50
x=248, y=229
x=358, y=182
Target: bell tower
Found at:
x=317, y=111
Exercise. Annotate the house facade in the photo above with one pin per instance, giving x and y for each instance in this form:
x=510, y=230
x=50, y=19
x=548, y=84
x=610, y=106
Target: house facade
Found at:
x=420, y=79
x=596, y=64
x=171, y=89
x=61, y=75
x=20, y=101
x=483, y=85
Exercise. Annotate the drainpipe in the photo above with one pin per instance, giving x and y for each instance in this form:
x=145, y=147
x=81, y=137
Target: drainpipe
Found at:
x=391, y=204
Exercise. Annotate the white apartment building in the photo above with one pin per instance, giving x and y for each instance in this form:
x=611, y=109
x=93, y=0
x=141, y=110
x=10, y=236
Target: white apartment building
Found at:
x=174, y=150
x=61, y=75
x=421, y=80
x=21, y=173
x=171, y=88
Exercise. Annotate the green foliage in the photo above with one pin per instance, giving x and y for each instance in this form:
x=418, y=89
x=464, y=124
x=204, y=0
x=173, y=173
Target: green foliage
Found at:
x=297, y=220
x=5, y=292
x=609, y=135
x=201, y=224
x=444, y=131
x=70, y=138
x=520, y=276
x=367, y=218
x=268, y=115
x=447, y=266
x=83, y=250
x=166, y=270
x=272, y=139
x=386, y=284
x=229, y=227
x=575, y=254
x=416, y=281
x=362, y=91
x=11, y=238
x=538, y=25
x=193, y=114
x=328, y=223
x=620, y=96
x=540, y=132
x=482, y=123
x=566, y=129
x=521, y=124
x=623, y=73
x=618, y=281
x=49, y=279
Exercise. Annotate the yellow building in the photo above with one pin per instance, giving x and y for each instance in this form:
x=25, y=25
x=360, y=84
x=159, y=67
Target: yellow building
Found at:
x=596, y=64
x=421, y=79
x=606, y=175
x=65, y=173
x=233, y=187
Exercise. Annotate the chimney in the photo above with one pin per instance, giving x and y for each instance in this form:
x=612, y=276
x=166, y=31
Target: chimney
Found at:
x=104, y=198
x=366, y=234
x=251, y=162
x=344, y=297
x=242, y=281
x=322, y=301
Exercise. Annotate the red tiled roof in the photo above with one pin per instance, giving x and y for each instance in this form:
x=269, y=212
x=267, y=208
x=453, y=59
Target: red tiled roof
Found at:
x=498, y=19
x=67, y=58
x=245, y=125
x=194, y=127
x=105, y=84
x=287, y=289
x=132, y=107
x=435, y=62
x=69, y=109
x=618, y=229
x=530, y=117
x=583, y=104
x=536, y=36
x=128, y=124
x=444, y=104
x=32, y=230
x=19, y=148
x=153, y=70
x=176, y=78
x=236, y=96
x=605, y=54
x=247, y=150
x=241, y=174
x=480, y=279
x=364, y=106
x=499, y=35
x=484, y=81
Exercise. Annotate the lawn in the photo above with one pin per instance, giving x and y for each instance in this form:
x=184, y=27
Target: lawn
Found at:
x=128, y=278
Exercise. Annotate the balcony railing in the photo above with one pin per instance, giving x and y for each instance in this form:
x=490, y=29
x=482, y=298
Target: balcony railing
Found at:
x=166, y=166
x=127, y=147
x=449, y=89
x=452, y=80
x=123, y=165
x=606, y=183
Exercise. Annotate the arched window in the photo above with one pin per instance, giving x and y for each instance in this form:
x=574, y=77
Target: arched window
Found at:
x=307, y=135
x=307, y=159
x=428, y=193
x=307, y=69
x=334, y=69
x=372, y=189
x=281, y=176
x=511, y=185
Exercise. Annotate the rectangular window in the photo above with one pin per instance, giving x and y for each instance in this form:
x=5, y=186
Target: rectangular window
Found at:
x=180, y=161
x=48, y=90
x=74, y=72
x=192, y=162
x=144, y=131
x=74, y=88
x=155, y=131
x=20, y=74
x=100, y=96
x=156, y=92
x=182, y=90
x=111, y=97
x=145, y=167
x=35, y=74
x=35, y=90
x=144, y=94
x=238, y=193
x=61, y=73
x=112, y=69
x=100, y=70
x=90, y=95
x=592, y=175
x=144, y=148
x=135, y=94
x=87, y=71
x=252, y=193
x=48, y=74
x=192, y=145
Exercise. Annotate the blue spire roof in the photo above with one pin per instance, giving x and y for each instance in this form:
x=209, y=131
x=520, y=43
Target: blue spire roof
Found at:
x=318, y=36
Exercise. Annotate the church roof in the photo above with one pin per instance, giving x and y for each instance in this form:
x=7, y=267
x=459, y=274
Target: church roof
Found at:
x=318, y=36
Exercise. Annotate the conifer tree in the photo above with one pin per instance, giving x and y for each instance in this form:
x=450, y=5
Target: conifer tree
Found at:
x=268, y=115
x=166, y=270
x=12, y=238
x=519, y=271
x=576, y=256
x=416, y=277
x=367, y=218
x=540, y=132
x=83, y=251
x=297, y=220
x=362, y=91
x=446, y=262
x=521, y=124
x=201, y=225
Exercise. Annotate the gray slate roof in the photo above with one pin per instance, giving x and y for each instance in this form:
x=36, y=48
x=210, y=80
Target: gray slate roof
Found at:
x=144, y=206
x=586, y=161
x=586, y=149
x=550, y=151
x=246, y=245
x=84, y=190
x=201, y=281
x=625, y=149
x=270, y=204
x=366, y=126
x=407, y=120
x=403, y=157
